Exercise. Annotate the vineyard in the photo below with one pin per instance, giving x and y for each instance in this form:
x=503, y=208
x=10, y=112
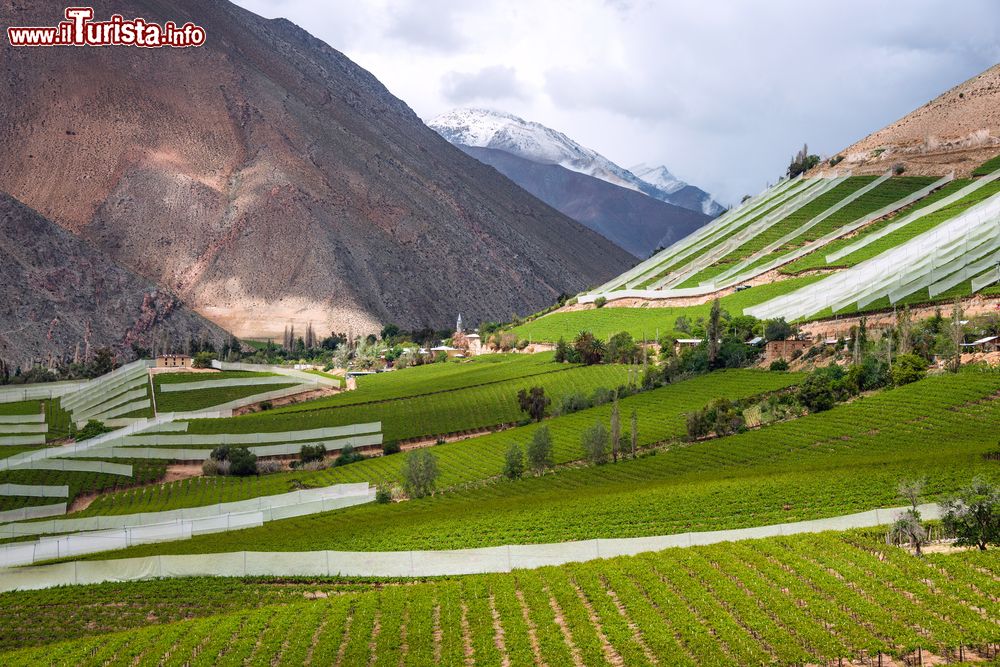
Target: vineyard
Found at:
x=790, y=600
x=845, y=460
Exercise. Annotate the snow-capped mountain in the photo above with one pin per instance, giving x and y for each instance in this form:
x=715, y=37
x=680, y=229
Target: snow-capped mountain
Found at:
x=486, y=128
x=680, y=192
x=658, y=176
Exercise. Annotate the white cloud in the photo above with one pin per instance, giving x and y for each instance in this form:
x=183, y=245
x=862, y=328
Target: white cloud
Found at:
x=722, y=93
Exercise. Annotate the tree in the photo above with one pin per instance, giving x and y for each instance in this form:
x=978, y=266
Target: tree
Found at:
x=310, y=453
x=513, y=466
x=904, y=328
x=635, y=432
x=973, y=515
x=202, y=360
x=616, y=429
x=622, y=348
x=956, y=334
x=242, y=462
x=562, y=351
x=540, y=450
x=714, y=332
x=911, y=490
x=816, y=393
x=104, y=363
x=595, y=443
x=909, y=528
x=534, y=402
x=420, y=473
x=908, y=368
x=590, y=349
x=389, y=332
x=802, y=162
x=777, y=329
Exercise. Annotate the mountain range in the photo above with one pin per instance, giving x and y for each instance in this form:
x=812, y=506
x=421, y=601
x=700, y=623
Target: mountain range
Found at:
x=265, y=179
x=486, y=128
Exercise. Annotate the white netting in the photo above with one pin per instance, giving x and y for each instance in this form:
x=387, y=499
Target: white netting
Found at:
x=302, y=376
x=33, y=512
x=82, y=414
x=37, y=418
x=23, y=429
x=72, y=465
x=35, y=392
x=413, y=563
x=34, y=490
x=169, y=387
x=22, y=440
x=195, y=439
x=188, y=454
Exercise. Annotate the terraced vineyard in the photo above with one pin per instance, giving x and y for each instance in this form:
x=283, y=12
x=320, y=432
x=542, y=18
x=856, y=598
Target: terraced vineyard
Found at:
x=661, y=414
x=144, y=472
x=428, y=415
x=790, y=600
x=832, y=463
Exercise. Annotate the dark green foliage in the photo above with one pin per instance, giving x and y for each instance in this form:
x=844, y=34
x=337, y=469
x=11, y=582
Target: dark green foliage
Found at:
x=383, y=495
x=563, y=351
x=203, y=360
x=779, y=365
x=348, y=456
x=390, y=447
x=92, y=429
x=534, y=402
x=802, y=162
x=600, y=301
x=590, y=350
x=721, y=417
x=622, y=349
x=817, y=393
x=310, y=453
x=242, y=462
x=908, y=368
x=777, y=329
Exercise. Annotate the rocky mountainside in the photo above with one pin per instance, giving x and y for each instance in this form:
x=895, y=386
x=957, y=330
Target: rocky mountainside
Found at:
x=266, y=179
x=486, y=128
x=634, y=221
x=57, y=292
x=956, y=131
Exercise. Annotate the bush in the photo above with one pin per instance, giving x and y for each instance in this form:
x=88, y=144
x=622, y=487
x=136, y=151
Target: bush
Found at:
x=513, y=466
x=540, y=450
x=383, y=495
x=203, y=360
x=420, y=473
x=223, y=468
x=92, y=429
x=779, y=365
x=816, y=393
x=523, y=343
x=777, y=329
x=266, y=405
x=269, y=467
x=310, y=453
x=242, y=462
x=391, y=447
x=348, y=456
x=908, y=368
x=595, y=443
x=600, y=301
x=210, y=467
x=899, y=169
x=573, y=402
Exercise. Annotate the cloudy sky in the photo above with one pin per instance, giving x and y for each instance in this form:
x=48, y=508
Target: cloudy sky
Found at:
x=721, y=92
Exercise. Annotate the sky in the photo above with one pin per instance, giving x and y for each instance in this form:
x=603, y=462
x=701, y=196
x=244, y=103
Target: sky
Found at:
x=722, y=92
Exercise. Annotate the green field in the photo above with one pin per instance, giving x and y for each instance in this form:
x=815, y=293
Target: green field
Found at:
x=791, y=600
x=57, y=419
x=143, y=472
x=647, y=322
x=430, y=415
x=661, y=417
x=845, y=460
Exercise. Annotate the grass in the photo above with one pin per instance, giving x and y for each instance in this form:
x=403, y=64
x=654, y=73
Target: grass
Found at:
x=988, y=167
x=811, y=599
x=57, y=418
x=180, y=378
x=661, y=415
x=202, y=399
x=845, y=460
x=648, y=322
x=430, y=415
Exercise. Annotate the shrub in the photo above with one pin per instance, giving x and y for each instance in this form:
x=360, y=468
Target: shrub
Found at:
x=513, y=466
x=391, y=447
x=540, y=450
x=310, y=453
x=210, y=467
x=600, y=301
x=622, y=349
x=92, y=429
x=562, y=351
x=534, y=402
x=223, y=468
x=220, y=453
x=595, y=443
x=242, y=462
x=269, y=467
x=348, y=456
x=266, y=405
x=203, y=360
x=899, y=169
x=383, y=495
x=908, y=368
x=573, y=402
x=973, y=516
x=779, y=365
x=836, y=159
x=313, y=466
x=601, y=396
x=816, y=393
x=523, y=343
x=777, y=329
x=420, y=473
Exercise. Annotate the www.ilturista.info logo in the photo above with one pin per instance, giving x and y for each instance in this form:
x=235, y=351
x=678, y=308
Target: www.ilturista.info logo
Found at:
x=79, y=29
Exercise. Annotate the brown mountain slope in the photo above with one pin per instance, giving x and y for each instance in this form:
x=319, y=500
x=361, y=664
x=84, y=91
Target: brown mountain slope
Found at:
x=57, y=291
x=265, y=178
x=958, y=130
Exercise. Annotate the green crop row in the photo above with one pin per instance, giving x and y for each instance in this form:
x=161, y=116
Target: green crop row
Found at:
x=430, y=415
x=661, y=417
x=845, y=460
x=786, y=601
x=202, y=399
x=144, y=472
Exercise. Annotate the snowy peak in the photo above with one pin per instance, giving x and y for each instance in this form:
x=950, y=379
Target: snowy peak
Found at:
x=659, y=176
x=486, y=128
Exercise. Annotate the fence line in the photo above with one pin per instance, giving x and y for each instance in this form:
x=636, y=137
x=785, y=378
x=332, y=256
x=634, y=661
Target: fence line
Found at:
x=411, y=563
x=34, y=490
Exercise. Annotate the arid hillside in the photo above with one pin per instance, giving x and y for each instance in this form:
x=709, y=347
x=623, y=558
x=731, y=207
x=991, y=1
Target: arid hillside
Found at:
x=958, y=130
x=60, y=295
x=267, y=179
